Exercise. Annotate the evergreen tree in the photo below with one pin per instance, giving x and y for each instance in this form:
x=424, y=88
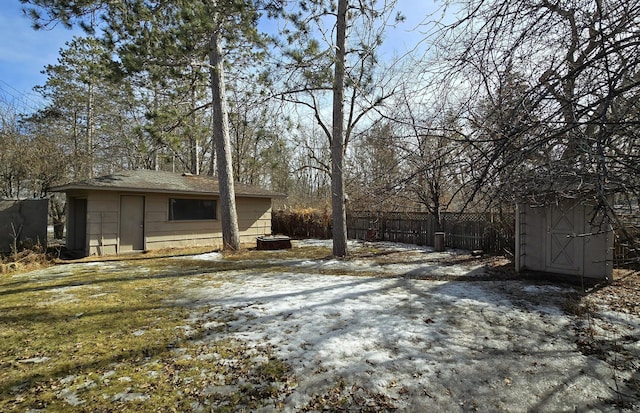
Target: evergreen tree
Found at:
x=84, y=105
x=163, y=39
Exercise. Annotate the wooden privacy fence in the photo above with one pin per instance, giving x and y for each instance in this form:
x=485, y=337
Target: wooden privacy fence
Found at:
x=490, y=232
x=23, y=224
x=625, y=252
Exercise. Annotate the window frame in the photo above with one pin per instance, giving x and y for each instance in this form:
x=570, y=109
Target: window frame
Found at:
x=182, y=213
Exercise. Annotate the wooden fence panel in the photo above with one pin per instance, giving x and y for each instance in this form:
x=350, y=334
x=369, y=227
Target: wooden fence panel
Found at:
x=23, y=224
x=489, y=232
x=625, y=252
x=463, y=231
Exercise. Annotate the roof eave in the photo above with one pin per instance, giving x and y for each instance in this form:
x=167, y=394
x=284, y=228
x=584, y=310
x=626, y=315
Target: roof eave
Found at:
x=66, y=188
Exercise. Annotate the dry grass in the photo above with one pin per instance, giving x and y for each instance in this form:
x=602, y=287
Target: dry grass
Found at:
x=302, y=222
x=151, y=254
x=110, y=338
x=113, y=337
x=310, y=253
x=26, y=260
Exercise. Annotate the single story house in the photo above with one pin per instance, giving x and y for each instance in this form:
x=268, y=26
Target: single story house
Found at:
x=144, y=210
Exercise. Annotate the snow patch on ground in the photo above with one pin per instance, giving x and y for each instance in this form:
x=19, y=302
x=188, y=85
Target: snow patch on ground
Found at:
x=209, y=256
x=408, y=334
x=427, y=345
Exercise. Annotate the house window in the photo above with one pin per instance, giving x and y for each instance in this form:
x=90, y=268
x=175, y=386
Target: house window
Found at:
x=191, y=209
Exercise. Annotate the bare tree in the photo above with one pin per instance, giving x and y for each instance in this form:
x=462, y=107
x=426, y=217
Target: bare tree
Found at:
x=32, y=157
x=14, y=171
x=337, y=62
x=374, y=169
x=550, y=87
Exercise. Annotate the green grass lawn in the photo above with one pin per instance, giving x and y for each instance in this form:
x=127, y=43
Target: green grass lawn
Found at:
x=110, y=337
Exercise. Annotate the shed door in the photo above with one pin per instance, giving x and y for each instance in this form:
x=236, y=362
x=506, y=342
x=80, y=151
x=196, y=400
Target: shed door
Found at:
x=131, y=223
x=79, y=225
x=564, y=251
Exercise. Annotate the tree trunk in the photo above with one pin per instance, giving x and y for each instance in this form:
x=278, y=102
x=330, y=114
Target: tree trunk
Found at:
x=90, y=131
x=194, y=161
x=337, y=140
x=228, y=214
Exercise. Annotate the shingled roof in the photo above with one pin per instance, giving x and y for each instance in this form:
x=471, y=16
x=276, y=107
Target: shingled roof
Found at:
x=163, y=182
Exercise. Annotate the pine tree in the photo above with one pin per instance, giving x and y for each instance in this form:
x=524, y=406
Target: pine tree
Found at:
x=163, y=38
x=79, y=99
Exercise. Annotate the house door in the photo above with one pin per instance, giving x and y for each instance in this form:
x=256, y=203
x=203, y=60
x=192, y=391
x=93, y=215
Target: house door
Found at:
x=131, y=223
x=564, y=251
x=78, y=234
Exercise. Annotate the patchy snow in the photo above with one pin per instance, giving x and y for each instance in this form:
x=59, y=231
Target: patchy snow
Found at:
x=35, y=360
x=429, y=346
x=426, y=345
x=208, y=256
x=430, y=267
x=129, y=396
x=70, y=397
x=404, y=329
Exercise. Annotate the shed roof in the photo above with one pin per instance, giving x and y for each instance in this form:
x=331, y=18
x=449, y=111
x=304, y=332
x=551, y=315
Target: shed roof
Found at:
x=163, y=182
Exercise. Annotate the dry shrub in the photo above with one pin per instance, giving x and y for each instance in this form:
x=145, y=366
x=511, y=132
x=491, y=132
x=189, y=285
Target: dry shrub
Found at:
x=26, y=260
x=302, y=223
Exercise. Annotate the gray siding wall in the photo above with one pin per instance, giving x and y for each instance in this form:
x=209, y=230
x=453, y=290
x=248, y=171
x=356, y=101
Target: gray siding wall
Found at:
x=103, y=223
x=29, y=219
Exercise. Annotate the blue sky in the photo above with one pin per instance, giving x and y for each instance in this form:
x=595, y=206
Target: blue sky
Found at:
x=25, y=52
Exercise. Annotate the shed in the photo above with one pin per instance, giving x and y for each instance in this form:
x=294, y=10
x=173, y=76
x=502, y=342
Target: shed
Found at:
x=145, y=210
x=563, y=238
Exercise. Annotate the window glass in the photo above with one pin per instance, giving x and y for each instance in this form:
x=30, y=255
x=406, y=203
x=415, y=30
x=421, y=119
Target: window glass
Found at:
x=191, y=209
